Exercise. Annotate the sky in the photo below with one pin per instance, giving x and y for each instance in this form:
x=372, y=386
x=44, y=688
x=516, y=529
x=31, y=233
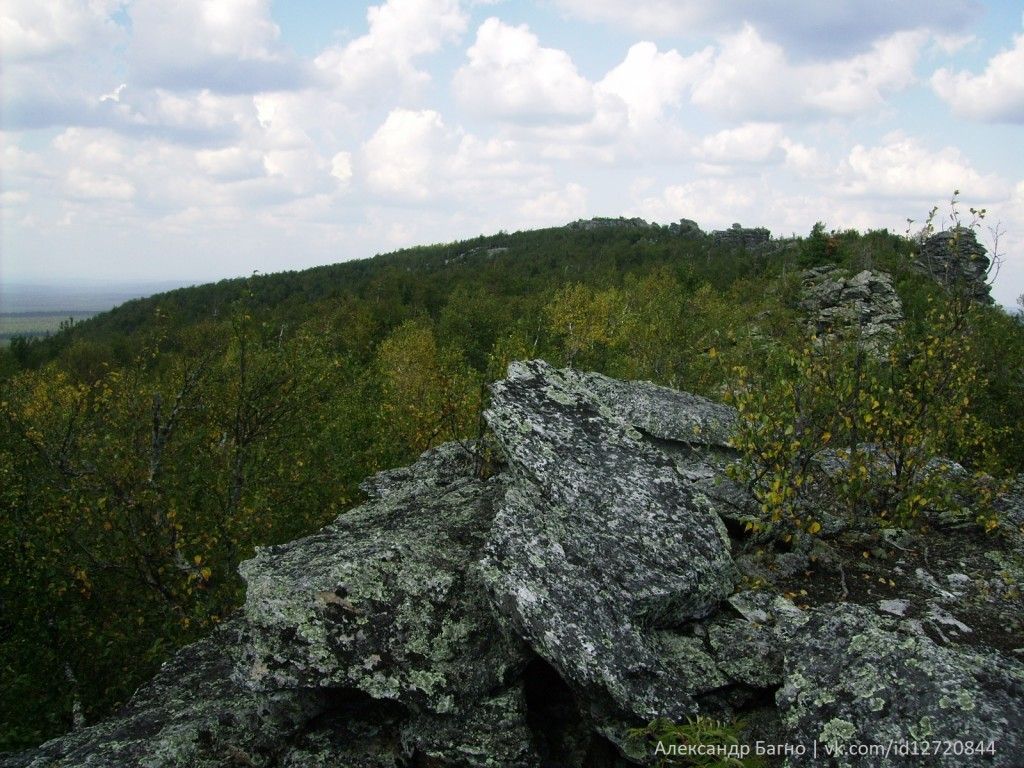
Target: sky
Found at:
x=199, y=139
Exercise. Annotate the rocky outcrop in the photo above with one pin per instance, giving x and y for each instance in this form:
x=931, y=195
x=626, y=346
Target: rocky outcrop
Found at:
x=590, y=583
x=191, y=714
x=687, y=228
x=608, y=223
x=597, y=538
x=864, y=306
x=852, y=679
x=388, y=599
x=958, y=261
x=738, y=236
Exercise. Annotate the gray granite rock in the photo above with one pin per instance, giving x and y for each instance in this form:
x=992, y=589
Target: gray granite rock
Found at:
x=958, y=261
x=597, y=539
x=601, y=222
x=388, y=598
x=691, y=430
x=851, y=678
x=839, y=305
x=660, y=412
x=191, y=714
x=493, y=734
x=738, y=236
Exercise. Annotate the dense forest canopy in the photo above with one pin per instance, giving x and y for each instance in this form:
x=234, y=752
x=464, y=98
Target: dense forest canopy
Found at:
x=145, y=452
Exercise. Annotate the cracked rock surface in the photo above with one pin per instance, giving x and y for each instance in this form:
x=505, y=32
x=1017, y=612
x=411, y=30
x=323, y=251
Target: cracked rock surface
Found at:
x=597, y=538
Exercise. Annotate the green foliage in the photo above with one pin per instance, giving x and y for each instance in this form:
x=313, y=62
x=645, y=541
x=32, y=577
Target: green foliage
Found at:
x=700, y=742
x=148, y=450
x=428, y=394
x=868, y=423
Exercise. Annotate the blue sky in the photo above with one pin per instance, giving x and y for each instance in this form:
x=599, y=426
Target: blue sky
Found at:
x=146, y=140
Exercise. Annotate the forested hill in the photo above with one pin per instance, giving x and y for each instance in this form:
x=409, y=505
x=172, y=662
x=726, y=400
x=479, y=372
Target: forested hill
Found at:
x=147, y=451
x=425, y=279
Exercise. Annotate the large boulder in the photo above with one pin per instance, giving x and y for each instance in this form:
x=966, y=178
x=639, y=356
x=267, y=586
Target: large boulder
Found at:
x=597, y=540
x=838, y=304
x=191, y=714
x=851, y=679
x=387, y=599
x=956, y=259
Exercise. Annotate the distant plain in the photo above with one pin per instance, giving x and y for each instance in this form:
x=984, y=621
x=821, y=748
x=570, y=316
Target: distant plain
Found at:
x=34, y=310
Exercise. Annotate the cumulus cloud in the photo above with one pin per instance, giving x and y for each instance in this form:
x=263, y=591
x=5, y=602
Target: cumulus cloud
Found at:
x=510, y=76
x=711, y=202
x=403, y=153
x=753, y=78
x=221, y=45
x=58, y=57
x=996, y=95
x=415, y=157
x=648, y=81
x=383, y=60
x=838, y=28
x=903, y=167
x=556, y=206
x=751, y=144
x=30, y=29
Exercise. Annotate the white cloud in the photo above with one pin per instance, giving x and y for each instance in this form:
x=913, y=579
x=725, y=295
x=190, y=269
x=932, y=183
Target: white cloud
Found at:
x=804, y=161
x=381, y=61
x=710, y=202
x=555, y=207
x=58, y=58
x=30, y=29
x=837, y=28
x=648, y=81
x=510, y=76
x=903, y=167
x=751, y=144
x=89, y=186
x=996, y=95
x=414, y=157
x=341, y=167
x=752, y=78
x=223, y=45
x=230, y=163
x=402, y=155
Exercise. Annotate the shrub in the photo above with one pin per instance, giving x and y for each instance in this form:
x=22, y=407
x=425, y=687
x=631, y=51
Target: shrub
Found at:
x=868, y=426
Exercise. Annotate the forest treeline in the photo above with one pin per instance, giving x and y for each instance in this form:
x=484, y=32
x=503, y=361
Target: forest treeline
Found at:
x=146, y=452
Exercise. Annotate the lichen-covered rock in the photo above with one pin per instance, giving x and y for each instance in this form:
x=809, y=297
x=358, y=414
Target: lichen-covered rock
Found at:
x=691, y=430
x=388, y=598
x=957, y=260
x=851, y=679
x=360, y=735
x=738, y=236
x=597, y=538
x=190, y=714
x=864, y=304
x=492, y=734
x=663, y=413
x=687, y=228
